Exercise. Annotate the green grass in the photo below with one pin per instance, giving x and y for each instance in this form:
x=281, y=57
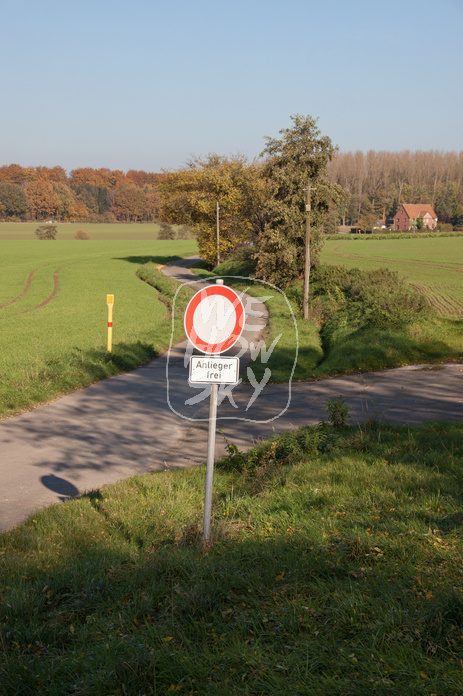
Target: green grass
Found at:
x=345, y=336
x=49, y=350
x=96, y=231
x=335, y=569
x=431, y=265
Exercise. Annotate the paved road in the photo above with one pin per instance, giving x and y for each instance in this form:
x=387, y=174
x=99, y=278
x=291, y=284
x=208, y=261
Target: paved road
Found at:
x=151, y=419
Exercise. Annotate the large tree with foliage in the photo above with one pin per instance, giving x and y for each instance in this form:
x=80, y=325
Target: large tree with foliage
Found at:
x=190, y=195
x=67, y=208
x=13, y=199
x=42, y=201
x=129, y=203
x=294, y=161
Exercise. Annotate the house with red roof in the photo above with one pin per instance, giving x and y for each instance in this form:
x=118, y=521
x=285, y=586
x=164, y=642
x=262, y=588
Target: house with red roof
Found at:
x=409, y=214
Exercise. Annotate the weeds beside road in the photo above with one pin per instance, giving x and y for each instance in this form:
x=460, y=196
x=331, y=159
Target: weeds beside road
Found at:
x=336, y=569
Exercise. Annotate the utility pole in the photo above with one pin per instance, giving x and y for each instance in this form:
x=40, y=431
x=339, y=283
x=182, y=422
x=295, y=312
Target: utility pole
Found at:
x=218, y=235
x=307, y=253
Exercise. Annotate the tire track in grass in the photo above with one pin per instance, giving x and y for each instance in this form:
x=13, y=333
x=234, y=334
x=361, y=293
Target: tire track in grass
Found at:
x=445, y=304
x=26, y=287
x=45, y=302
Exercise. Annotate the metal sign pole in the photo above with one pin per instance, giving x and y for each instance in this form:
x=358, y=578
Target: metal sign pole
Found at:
x=211, y=335
x=210, y=464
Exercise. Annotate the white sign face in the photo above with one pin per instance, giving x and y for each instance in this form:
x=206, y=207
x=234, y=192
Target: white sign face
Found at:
x=214, y=319
x=214, y=370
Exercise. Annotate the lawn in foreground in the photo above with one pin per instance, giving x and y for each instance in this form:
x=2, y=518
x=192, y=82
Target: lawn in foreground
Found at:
x=336, y=569
x=431, y=265
x=53, y=313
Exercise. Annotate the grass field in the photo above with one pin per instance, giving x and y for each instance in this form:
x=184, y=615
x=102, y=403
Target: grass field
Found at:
x=335, y=570
x=356, y=329
x=96, y=231
x=53, y=308
x=433, y=266
x=53, y=313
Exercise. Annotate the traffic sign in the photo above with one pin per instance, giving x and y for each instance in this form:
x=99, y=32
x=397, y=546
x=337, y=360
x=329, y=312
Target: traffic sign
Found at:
x=214, y=370
x=214, y=319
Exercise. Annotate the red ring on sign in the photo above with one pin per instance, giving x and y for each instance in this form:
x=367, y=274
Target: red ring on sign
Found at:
x=227, y=343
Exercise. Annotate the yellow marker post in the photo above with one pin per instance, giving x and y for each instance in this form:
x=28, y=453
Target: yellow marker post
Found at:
x=110, y=303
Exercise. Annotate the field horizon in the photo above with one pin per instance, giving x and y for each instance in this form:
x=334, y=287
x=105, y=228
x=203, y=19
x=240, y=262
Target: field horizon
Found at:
x=97, y=231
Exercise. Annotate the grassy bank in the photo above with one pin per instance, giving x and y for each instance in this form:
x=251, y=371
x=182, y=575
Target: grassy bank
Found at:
x=336, y=569
x=53, y=314
x=360, y=321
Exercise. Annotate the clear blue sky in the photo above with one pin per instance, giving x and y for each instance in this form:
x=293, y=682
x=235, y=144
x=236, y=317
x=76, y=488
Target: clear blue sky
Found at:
x=146, y=84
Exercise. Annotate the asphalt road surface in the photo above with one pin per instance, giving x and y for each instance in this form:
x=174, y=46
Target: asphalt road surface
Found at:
x=151, y=419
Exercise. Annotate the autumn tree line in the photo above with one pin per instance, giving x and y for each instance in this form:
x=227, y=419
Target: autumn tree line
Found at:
x=375, y=183
x=91, y=195
x=262, y=208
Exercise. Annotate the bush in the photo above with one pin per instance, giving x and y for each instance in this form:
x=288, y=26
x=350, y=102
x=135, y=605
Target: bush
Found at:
x=46, y=231
x=444, y=227
x=242, y=263
x=166, y=231
x=381, y=230
x=184, y=232
x=81, y=234
x=349, y=300
x=103, y=218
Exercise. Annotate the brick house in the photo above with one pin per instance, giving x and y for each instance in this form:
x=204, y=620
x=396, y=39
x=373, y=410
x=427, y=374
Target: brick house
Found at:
x=408, y=215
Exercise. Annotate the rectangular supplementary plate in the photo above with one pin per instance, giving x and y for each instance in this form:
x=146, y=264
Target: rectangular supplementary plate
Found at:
x=214, y=370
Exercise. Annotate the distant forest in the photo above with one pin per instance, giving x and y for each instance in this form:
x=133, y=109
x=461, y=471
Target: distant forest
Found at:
x=375, y=184
x=91, y=195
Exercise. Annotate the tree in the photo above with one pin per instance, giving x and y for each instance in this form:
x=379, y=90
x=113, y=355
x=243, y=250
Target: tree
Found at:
x=166, y=231
x=55, y=174
x=66, y=208
x=41, y=199
x=190, y=195
x=13, y=199
x=129, y=203
x=17, y=174
x=381, y=181
x=295, y=161
x=47, y=231
x=152, y=206
x=87, y=196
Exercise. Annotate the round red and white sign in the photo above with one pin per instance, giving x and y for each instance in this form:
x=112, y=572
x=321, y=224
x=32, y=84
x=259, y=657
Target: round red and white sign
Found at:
x=214, y=319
